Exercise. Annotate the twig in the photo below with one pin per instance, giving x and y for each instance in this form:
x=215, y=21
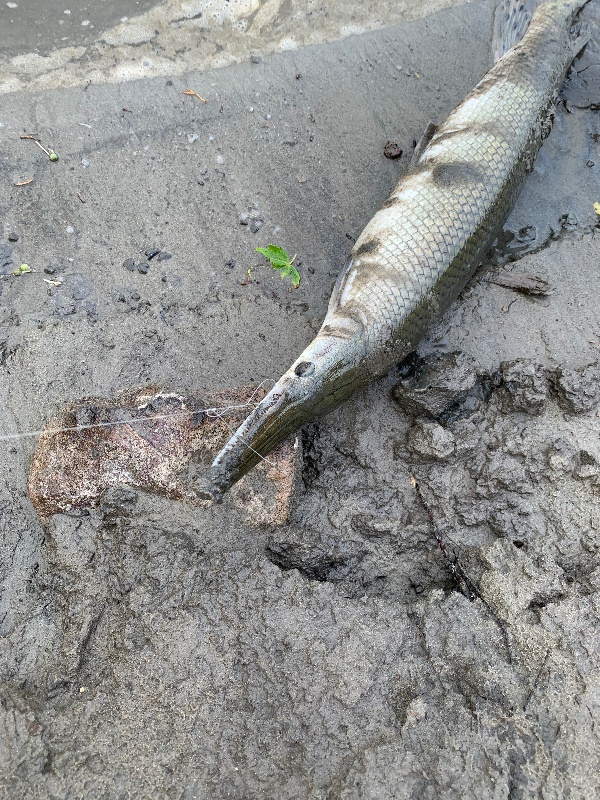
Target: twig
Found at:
x=459, y=575
x=457, y=572
x=192, y=93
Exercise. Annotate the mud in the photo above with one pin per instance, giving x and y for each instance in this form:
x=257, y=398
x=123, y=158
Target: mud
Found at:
x=153, y=648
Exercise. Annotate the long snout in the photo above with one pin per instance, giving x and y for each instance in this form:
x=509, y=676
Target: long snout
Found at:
x=326, y=373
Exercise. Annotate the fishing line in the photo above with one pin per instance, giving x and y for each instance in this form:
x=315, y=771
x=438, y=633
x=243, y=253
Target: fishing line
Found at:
x=212, y=412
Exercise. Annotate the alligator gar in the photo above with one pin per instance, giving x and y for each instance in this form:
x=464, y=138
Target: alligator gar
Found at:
x=420, y=249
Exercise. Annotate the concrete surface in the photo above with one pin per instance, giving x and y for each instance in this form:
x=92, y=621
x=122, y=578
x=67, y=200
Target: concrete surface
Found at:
x=154, y=650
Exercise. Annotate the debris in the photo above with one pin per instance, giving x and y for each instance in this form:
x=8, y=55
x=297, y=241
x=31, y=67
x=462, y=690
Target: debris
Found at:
x=192, y=93
x=24, y=182
x=457, y=572
x=522, y=282
x=23, y=269
x=82, y=199
x=49, y=152
x=392, y=150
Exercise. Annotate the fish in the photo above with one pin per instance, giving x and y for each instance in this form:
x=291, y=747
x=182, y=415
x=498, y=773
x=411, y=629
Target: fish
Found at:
x=420, y=249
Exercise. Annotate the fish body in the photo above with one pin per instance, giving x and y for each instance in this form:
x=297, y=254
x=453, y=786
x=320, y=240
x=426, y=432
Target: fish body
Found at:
x=419, y=250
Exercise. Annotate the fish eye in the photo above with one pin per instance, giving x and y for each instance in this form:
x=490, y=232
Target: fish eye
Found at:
x=304, y=368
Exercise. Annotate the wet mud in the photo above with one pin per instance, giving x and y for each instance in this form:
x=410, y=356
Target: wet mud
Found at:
x=427, y=621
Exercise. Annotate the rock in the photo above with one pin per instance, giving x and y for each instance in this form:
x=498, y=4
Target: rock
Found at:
x=392, y=150
x=524, y=386
x=159, y=442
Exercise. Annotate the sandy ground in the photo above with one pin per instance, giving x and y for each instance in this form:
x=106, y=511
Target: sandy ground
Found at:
x=151, y=649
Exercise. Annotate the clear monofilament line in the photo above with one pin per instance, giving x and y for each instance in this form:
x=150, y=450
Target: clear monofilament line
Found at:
x=212, y=412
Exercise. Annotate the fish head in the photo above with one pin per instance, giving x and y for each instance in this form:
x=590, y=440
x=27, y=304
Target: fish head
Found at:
x=322, y=377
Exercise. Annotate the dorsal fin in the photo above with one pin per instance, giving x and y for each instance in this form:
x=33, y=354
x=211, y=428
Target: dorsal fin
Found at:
x=511, y=20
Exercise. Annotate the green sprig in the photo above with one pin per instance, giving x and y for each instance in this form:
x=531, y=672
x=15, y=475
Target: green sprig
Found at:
x=281, y=261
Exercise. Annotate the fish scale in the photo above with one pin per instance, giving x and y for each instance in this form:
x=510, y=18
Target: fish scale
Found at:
x=420, y=249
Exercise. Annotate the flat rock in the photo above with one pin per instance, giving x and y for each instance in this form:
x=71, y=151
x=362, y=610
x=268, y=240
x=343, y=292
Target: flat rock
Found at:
x=159, y=442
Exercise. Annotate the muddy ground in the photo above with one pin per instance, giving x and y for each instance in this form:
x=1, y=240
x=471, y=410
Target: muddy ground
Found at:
x=391, y=640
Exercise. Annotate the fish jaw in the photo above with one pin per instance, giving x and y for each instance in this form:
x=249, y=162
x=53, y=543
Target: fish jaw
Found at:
x=321, y=378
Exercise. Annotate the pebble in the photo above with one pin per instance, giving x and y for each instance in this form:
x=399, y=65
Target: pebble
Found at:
x=143, y=268
x=244, y=219
x=256, y=225
x=70, y=229
x=13, y=237
x=392, y=150
x=129, y=264
x=255, y=59
x=85, y=162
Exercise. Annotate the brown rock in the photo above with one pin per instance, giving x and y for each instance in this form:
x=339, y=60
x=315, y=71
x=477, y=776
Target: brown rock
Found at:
x=159, y=442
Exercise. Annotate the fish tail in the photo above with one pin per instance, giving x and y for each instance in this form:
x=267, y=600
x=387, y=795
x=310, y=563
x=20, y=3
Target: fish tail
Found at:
x=512, y=18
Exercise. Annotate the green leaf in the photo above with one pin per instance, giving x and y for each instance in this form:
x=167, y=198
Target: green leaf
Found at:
x=281, y=261
x=22, y=270
x=290, y=271
x=276, y=255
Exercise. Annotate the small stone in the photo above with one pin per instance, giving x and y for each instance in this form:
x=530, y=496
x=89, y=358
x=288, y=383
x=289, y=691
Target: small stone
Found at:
x=164, y=256
x=85, y=162
x=392, y=150
x=255, y=59
x=143, y=268
x=129, y=264
x=50, y=270
x=13, y=237
x=151, y=253
x=256, y=225
x=244, y=219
